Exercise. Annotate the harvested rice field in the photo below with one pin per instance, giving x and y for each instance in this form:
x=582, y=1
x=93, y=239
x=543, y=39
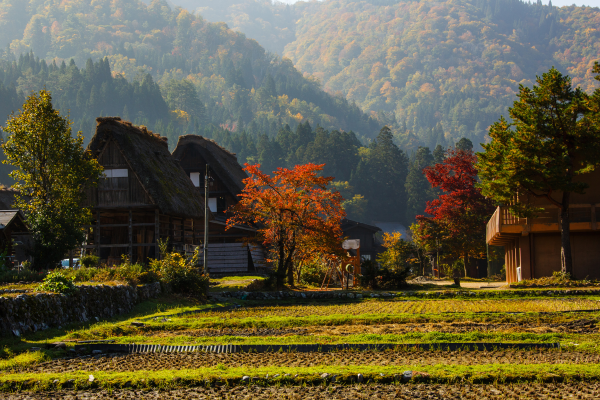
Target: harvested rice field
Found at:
x=409, y=391
x=34, y=367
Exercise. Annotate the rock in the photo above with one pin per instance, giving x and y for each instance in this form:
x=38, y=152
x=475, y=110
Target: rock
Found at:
x=245, y=378
x=16, y=333
x=35, y=349
x=127, y=384
x=91, y=378
x=60, y=345
x=303, y=295
x=360, y=378
x=359, y=296
x=140, y=324
x=324, y=375
x=407, y=376
x=96, y=351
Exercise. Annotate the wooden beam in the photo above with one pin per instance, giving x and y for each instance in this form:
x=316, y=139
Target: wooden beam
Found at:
x=156, y=234
x=97, y=234
x=107, y=246
x=130, y=236
x=121, y=225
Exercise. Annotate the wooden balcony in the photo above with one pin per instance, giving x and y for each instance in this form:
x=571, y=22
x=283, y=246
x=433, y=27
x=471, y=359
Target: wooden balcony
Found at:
x=504, y=227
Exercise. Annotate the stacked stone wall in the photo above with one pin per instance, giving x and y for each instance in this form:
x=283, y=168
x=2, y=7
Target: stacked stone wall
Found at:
x=34, y=312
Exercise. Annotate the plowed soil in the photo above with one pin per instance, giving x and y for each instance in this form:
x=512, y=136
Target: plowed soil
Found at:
x=582, y=326
x=178, y=361
x=431, y=392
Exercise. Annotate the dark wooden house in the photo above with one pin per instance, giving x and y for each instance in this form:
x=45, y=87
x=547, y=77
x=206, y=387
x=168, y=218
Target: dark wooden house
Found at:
x=370, y=246
x=144, y=196
x=227, y=249
x=15, y=237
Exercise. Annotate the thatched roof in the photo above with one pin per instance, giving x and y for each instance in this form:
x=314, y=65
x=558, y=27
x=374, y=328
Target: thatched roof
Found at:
x=7, y=198
x=150, y=160
x=223, y=162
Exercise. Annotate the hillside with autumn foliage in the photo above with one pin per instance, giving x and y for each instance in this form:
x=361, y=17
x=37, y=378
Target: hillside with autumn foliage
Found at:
x=435, y=70
x=189, y=73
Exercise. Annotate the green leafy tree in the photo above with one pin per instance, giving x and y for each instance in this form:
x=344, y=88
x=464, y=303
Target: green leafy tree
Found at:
x=554, y=136
x=52, y=171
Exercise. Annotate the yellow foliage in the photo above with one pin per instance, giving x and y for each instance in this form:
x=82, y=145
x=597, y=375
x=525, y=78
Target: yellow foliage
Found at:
x=180, y=116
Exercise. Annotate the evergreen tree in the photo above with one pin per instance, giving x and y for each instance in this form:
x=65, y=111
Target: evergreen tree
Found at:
x=418, y=188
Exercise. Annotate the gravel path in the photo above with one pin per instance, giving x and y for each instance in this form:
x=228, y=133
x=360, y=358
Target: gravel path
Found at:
x=177, y=361
x=589, y=390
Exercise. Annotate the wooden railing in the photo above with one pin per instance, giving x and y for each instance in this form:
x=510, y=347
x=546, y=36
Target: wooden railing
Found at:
x=582, y=217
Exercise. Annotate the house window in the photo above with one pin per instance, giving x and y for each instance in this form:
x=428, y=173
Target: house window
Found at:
x=221, y=204
x=365, y=257
x=212, y=204
x=195, y=177
x=116, y=173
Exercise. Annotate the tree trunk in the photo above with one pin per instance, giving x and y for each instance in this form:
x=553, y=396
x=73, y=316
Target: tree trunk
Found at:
x=566, y=261
x=280, y=274
x=465, y=260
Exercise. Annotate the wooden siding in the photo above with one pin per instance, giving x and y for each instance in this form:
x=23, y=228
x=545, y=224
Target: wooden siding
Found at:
x=227, y=257
x=117, y=192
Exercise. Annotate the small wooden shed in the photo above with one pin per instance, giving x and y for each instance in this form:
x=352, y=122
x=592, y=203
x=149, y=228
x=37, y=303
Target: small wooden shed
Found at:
x=369, y=245
x=227, y=251
x=15, y=236
x=145, y=196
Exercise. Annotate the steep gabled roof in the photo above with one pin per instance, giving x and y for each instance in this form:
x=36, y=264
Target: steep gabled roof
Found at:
x=222, y=162
x=150, y=160
x=7, y=198
x=348, y=224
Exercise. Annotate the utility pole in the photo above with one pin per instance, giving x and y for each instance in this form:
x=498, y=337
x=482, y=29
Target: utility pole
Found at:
x=205, y=244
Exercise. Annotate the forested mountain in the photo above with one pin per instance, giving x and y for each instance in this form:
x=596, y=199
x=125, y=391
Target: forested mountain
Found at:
x=435, y=70
x=207, y=73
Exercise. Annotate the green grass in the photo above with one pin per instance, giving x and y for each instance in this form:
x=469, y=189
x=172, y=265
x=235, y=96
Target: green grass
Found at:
x=164, y=379
x=163, y=326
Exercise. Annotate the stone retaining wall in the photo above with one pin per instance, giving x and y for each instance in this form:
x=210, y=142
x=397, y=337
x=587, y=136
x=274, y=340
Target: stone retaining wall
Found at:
x=242, y=295
x=33, y=312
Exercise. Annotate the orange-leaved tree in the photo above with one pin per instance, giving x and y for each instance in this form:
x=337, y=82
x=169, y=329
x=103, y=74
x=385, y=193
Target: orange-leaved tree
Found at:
x=297, y=216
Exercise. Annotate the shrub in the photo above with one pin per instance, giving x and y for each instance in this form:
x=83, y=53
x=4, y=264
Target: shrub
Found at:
x=375, y=277
x=56, y=282
x=131, y=273
x=392, y=278
x=182, y=274
x=12, y=276
x=369, y=273
x=89, y=261
x=313, y=274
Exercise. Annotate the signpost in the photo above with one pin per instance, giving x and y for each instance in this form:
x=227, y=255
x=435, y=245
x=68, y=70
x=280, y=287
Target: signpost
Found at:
x=352, y=244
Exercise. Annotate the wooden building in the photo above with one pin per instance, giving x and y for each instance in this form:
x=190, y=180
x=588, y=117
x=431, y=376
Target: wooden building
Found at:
x=370, y=247
x=228, y=251
x=532, y=245
x=15, y=237
x=144, y=196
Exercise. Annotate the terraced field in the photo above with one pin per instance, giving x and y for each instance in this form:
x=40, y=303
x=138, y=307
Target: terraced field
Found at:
x=570, y=371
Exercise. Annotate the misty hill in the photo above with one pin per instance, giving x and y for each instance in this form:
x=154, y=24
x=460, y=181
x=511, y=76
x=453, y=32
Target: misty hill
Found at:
x=207, y=74
x=436, y=70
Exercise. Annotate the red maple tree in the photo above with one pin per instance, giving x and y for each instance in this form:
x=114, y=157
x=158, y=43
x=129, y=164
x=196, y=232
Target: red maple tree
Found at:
x=297, y=216
x=461, y=212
